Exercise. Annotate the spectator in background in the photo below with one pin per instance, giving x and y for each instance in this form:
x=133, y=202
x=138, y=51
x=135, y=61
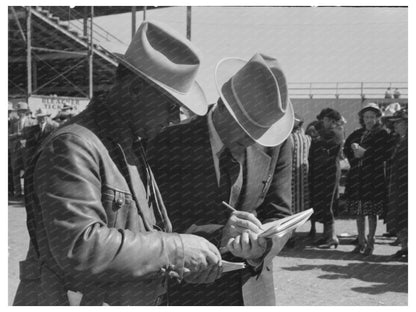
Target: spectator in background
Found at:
x=394, y=137
x=398, y=183
x=12, y=128
x=301, y=144
x=311, y=129
x=367, y=150
x=325, y=172
x=38, y=132
x=396, y=93
x=388, y=94
x=65, y=114
x=18, y=140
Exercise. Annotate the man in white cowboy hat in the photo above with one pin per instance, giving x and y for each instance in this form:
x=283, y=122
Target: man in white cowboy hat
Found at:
x=65, y=114
x=38, y=132
x=238, y=153
x=97, y=222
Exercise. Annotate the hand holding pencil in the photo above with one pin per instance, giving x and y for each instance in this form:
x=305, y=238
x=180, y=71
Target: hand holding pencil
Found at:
x=239, y=222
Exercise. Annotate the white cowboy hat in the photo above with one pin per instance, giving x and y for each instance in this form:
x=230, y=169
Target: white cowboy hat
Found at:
x=41, y=113
x=256, y=95
x=169, y=61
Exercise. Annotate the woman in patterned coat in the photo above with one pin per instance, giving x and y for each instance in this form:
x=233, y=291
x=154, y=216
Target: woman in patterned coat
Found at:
x=367, y=149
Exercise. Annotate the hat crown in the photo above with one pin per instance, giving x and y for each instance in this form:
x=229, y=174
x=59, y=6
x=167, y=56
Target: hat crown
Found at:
x=164, y=57
x=260, y=91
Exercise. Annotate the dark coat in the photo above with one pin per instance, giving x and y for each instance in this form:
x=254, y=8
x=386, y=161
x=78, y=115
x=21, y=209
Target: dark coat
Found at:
x=366, y=179
x=398, y=187
x=89, y=219
x=324, y=174
x=184, y=168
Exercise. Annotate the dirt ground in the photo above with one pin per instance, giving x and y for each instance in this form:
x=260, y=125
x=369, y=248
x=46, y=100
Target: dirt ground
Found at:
x=307, y=276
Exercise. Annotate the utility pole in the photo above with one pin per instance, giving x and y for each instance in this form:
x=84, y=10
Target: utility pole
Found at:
x=90, y=56
x=29, y=51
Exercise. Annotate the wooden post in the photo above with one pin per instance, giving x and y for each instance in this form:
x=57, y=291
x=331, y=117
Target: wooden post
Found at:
x=133, y=21
x=90, y=56
x=188, y=22
x=29, y=50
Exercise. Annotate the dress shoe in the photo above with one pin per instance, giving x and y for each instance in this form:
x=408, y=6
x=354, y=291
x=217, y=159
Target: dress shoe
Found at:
x=358, y=249
x=368, y=251
x=329, y=243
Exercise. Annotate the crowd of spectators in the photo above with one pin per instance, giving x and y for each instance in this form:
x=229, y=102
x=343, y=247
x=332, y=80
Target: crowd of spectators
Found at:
x=25, y=133
x=376, y=183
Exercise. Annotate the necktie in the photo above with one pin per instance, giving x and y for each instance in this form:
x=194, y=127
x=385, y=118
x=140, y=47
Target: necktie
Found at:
x=231, y=177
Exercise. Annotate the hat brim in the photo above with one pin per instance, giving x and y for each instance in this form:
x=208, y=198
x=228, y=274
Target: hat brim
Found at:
x=279, y=131
x=194, y=99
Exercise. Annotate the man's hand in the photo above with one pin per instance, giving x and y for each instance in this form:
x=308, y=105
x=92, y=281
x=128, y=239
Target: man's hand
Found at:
x=239, y=222
x=201, y=258
x=247, y=246
x=358, y=150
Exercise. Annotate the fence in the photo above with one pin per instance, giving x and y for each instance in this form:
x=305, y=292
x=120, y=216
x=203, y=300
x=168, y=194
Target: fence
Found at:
x=363, y=90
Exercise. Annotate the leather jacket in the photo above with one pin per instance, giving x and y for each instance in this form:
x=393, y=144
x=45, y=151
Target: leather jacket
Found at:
x=90, y=221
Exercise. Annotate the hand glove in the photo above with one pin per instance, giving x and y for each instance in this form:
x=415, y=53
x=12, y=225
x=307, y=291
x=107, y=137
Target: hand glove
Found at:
x=201, y=258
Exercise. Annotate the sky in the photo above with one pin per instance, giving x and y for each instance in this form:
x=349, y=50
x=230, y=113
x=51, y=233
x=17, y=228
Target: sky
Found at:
x=312, y=44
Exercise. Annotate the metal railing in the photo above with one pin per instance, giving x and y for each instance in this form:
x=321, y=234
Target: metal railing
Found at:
x=75, y=23
x=364, y=90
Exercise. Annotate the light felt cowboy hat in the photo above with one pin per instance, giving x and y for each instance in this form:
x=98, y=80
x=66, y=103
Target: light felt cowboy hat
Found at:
x=256, y=95
x=169, y=61
x=22, y=106
x=41, y=113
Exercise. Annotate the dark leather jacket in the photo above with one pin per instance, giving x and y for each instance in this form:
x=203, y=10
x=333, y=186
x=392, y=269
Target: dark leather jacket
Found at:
x=90, y=220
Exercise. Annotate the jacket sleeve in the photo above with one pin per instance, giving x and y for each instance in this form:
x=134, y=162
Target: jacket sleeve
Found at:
x=278, y=200
x=68, y=185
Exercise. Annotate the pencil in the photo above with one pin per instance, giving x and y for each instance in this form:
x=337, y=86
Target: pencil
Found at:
x=228, y=206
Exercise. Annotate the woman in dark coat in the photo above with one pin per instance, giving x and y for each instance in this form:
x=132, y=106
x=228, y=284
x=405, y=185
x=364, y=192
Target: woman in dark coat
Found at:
x=325, y=173
x=367, y=149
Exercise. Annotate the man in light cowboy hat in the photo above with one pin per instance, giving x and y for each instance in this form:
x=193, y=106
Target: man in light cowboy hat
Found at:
x=65, y=114
x=37, y=133
x=96, y=217
x=238, y=153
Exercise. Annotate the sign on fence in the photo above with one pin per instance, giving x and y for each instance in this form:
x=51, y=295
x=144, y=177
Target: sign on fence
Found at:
x=52, y=104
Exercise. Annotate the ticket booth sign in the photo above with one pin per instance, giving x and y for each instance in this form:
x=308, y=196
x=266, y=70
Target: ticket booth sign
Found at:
x=53, y=104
